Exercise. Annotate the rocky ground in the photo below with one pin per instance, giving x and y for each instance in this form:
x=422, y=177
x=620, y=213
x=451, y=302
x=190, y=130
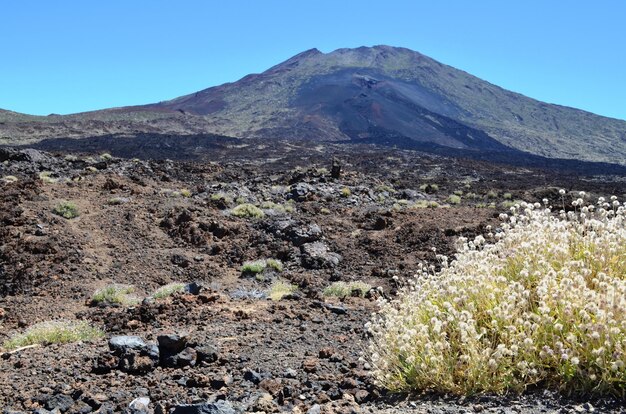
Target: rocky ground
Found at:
x=223, y=346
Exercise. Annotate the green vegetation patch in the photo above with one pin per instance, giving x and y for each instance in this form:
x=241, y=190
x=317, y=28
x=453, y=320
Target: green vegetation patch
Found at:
x=345, y=289
x=54, y=332
x=247, y=210
x=538, y=305
x=66, y=209
x=169, y=290
x=115, y=294
x=279, y=289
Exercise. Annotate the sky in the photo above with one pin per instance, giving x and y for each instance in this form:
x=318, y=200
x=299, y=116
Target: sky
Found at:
x=72, y=56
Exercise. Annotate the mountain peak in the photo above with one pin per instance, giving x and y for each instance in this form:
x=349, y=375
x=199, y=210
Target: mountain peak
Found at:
x=383, y=94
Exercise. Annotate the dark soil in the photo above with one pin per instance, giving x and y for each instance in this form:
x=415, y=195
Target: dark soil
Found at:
x=299, y=354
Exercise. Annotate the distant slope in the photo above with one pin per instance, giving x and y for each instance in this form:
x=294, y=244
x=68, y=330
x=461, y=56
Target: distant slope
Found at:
x=374, y=94
x=351, y=92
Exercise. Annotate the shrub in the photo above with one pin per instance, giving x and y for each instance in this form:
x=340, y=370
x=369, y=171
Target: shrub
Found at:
x=91, y=169
x=345, y=192
x=66, y=209
x=9, y=179
x=454, y=199
x=425, y=204
x=507, y=196
x=54, y=332
x=274, y=264
x=280, y=208
x=106, y=156
x=343, y=289
x=70, y=158
x=185, y=192
x=324, y=210
x=255, y=267
x=222, y=196
x=492, y=194
x=115, y=294
x=542, y=304
x=247, y=210
x=280, y=289
x=45, y=176
x=168, y=290
x=458, y=193
x=383, y=188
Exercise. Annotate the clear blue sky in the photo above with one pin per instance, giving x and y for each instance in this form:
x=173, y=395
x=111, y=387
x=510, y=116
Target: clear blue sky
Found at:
x=71, y=56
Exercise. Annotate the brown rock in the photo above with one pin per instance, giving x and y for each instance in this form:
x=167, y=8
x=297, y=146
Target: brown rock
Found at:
x=271, y=385
x=310, y=364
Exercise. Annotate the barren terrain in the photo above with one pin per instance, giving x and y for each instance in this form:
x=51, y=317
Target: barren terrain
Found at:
x=149, y=223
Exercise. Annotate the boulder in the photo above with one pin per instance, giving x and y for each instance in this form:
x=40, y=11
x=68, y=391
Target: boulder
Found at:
x=317, y=255
x=134, y=355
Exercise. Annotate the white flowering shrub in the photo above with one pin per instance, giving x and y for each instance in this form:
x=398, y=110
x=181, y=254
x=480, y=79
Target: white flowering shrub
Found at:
x=540, y=302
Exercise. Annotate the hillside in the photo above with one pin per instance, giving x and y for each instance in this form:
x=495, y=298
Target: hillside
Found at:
x=380, y=94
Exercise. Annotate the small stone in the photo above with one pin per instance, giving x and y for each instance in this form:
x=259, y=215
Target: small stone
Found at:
x=265, y=403
x=252, y=376
x=172, y=343
x=139, y=404
x=124, y=343
x=310, y=365
x=316, y=409
x=290, y=373
x=207, y=353
x=219, y=407
x=271, y=385
x=60, y=402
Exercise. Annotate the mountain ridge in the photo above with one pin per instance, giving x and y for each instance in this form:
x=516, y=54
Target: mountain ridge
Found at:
x=361, y=93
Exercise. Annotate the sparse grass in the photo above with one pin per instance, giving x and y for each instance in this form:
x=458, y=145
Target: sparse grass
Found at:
x=115, y=201
x=66, y=209
x=281, y=208
x=458, y=193
x=168, y=290
x=279, y=289
x=425, y=204
x=383, y=188
x=91, y=169
x=45, y=176
x=9, y=179
x=70, y=158
x=492, y=194
x=346, y=192
x=257, y=266
x=429, y=188
x=274, y=264
x=115, y=294
x=343, y=289
x=507, y=204
x=54, y=332
x=541, y=303
x=507, y=196
x=185, y=192
x=324, y=210
x=222, y=196
x=454, y=199
x=106, y=156
x=247, y=210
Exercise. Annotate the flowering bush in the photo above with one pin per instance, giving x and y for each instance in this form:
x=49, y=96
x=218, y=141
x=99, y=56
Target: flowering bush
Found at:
x=540, y=302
